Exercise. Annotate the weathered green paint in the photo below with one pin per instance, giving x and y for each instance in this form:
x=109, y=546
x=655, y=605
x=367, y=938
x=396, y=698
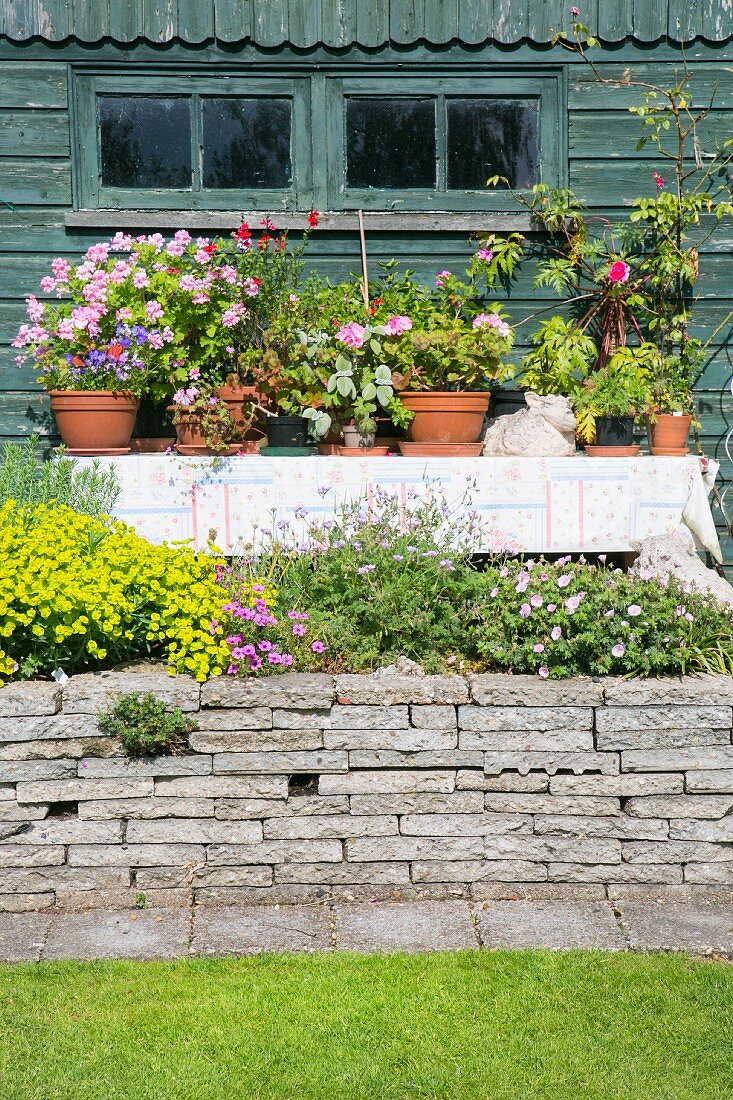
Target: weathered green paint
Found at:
x=340, y=23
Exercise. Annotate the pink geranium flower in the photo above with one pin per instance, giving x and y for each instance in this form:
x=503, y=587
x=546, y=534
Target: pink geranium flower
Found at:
x=352, y=335
x=397, y=325
x=619, y=272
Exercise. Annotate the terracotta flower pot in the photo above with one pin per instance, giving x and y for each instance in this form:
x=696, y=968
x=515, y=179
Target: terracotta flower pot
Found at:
x=236, y=398
x=189, y=432
x=446, y=417
x=94, y=421
x=669, y=434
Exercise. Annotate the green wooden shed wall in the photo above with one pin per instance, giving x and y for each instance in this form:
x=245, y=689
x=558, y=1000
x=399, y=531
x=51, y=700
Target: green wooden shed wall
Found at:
x=45, y=44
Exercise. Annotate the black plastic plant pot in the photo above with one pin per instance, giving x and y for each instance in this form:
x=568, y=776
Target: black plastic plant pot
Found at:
x=614, y=431
x=287, y=431
x=505, y=402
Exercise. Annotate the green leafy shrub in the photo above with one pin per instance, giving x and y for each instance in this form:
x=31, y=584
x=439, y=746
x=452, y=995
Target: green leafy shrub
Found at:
x=389, y=579
x=145, y=727
x=567, y=619
x=26, y=480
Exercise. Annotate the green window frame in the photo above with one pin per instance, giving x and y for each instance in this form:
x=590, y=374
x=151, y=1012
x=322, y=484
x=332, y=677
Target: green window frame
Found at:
x=91, y=192
x=318, y=135
x=546, y=91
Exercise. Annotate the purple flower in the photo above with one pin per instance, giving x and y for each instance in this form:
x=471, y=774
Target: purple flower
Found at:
x=525, y=611
x=364, y=569
x=317, y=647
x=298, y=630
x=555, y=633
x=564, y=581
x=551, y=607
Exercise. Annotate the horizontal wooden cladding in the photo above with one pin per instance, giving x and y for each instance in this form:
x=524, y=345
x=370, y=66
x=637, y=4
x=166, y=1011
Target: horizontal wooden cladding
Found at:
x=35, y=180
x=711, y=83
x=37, y=131
x=613, y=135
x=34, y=85
x=340, y=23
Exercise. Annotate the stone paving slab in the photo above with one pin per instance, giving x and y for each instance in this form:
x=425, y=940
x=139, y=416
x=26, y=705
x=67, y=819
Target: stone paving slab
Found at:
x=22, y=936
x=404, y=926
x=164, y=933
x=678, y=927
x=254, y=929
x=100, y=934
x=555, y=925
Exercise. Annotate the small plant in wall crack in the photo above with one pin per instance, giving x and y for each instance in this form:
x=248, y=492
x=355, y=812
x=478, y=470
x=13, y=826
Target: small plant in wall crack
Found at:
x=145, y=727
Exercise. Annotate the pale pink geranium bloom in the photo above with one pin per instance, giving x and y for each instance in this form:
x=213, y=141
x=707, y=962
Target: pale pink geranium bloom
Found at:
x=183, y=236
x=65, y=329
x=185, y=397
x=251, y=287
x=34, y=308
x=139, y=279
x=619, y=272
x=175, y=248
x=352, y=335
x=48, y=283
x=155, y=340
x=619, y=649
x=633, y=610
x=97, y=253
x=543, y=672
x=555, y=633
x=525, y=611
x=61, y=268
x=485, y=254
x=397, y=325
x=536, y=600
x=154, y=310
x=442, y=277
x=539, y=648
x=491, y=320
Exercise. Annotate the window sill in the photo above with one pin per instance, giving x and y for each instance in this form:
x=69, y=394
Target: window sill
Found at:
x=223, y=220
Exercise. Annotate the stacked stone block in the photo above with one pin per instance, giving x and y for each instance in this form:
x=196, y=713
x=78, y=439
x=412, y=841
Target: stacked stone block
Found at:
x=299, y=787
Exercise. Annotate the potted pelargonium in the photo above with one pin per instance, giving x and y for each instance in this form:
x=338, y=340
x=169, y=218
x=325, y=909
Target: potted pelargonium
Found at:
x=671, y=404
x=359, y=382
x=444, y=350
x=95, y=360
x=611, y=399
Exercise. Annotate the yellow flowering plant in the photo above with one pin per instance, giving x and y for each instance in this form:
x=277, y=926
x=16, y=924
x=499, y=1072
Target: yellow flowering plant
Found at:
x=79, y=593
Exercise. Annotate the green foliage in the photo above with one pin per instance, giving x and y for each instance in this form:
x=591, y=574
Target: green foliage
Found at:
x=145, y=727
x=566, y=619
x=25, y=479
x=81, y=593
x=561, y=361
x=623, y=387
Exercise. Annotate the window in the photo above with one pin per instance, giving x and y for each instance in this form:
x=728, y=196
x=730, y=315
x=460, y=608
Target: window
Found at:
x=256, y=141
x=179, y=143
x=435, y=144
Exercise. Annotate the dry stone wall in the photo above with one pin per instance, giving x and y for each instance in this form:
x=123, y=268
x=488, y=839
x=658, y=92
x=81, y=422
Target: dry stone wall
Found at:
x=301, y=787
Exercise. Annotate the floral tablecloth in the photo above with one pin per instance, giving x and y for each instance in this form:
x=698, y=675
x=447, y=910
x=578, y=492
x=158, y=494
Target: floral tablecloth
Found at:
x=538, y=504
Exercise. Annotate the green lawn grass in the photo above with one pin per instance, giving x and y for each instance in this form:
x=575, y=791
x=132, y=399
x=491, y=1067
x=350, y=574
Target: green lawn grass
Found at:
x=489, y=1026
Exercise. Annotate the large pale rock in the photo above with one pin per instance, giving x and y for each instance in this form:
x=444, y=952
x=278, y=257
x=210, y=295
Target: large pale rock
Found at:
x=387, y=688
x=93, y=692
x=290, y=690
x=30, y=697
x=546, y=427
x=670, y=556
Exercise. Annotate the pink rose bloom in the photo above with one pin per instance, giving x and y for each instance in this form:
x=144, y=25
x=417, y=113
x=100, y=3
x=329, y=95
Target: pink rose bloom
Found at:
x=397, y=325
x=442, y=277
x=619, y=272
x=352, y=335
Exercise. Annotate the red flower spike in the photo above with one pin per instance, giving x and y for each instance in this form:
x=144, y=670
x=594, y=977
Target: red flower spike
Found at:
x=210, y=249
x=267, y=224
x=313, y=219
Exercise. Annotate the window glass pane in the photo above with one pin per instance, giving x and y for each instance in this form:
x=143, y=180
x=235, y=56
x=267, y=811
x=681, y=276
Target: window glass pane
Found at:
x=145, y=141
x=492, y=137
x=246, y=143
x=390, y=143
